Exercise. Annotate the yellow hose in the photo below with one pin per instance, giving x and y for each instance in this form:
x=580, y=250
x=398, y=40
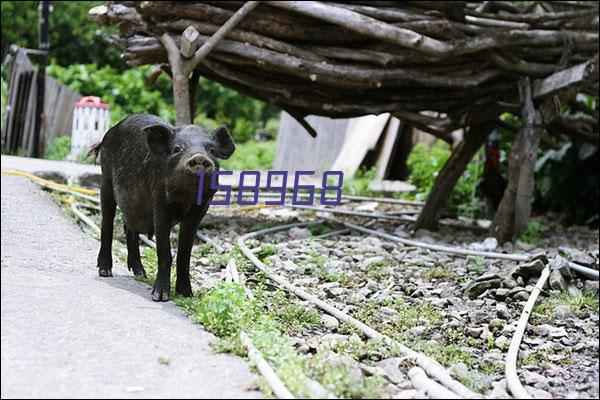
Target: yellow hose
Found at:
x=50, y=184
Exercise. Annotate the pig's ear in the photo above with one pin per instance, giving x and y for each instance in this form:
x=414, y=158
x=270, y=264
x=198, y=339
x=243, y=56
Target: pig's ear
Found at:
x=159, y=138
x=225, y=145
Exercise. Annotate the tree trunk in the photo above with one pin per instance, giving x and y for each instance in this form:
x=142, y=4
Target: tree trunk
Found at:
x=514, y=211
x=181, y=98
x=449, y=175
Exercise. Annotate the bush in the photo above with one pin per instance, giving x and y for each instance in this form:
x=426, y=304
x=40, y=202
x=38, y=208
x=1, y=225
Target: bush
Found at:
x=128, y=92
x=251, y=156
x=59, y=148
x=425, y=163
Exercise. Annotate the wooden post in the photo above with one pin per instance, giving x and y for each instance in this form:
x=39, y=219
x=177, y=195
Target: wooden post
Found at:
x=450, y=173
x=182, y=66
x=44, y=10
x=514, y=211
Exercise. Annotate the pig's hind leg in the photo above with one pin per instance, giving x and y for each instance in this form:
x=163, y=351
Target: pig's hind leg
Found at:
x=134, y=262
x=108, y=206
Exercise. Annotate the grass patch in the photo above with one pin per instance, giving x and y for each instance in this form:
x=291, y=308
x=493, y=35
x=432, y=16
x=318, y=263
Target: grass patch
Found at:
x=251, y=155
x=440, y=273
x=317, y=228
x=533, y=232
x=58, y=148
x=544, y=310
x=476, y=264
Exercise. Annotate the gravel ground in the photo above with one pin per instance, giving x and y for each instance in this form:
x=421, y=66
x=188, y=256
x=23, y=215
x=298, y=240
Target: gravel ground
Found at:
x=68, y=333
x=460, y=311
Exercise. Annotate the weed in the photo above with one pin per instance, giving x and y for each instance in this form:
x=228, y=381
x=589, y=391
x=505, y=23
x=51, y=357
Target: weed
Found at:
x=59, y=148
x=476, y=264
x=317, y=228
x=532, y=232
x=440, y=273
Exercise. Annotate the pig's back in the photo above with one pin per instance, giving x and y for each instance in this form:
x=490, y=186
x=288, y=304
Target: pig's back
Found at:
x=126, y=161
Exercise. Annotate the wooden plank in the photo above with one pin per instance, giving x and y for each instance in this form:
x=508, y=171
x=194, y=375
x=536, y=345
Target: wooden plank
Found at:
x=361, y=136
x=387, y=148
x=297, y=151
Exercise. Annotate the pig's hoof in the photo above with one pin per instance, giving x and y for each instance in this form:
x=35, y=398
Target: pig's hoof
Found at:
x=105, y=272
x=184, y=290
x=138, y=270
x=159, y=293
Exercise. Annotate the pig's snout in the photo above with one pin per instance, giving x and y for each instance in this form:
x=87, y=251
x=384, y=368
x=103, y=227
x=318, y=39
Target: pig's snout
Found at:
x=197, y=163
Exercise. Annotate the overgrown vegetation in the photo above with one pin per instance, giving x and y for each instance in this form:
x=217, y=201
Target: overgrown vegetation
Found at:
x=251, y=155
x=425, y=162
x=128, y=92
x=533, y=232
x=59, y=148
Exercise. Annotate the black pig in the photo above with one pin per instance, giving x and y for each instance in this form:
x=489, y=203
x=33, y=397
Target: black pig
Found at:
x=150, y=170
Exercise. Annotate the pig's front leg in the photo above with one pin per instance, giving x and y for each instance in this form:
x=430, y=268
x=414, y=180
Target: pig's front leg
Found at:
x=162, y=284
x=187, y=234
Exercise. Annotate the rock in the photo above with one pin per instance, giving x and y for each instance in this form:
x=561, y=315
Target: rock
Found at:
x=502, y=293
x=557, y=332
x=541, y=330
x=90, y=179
x=499, y=390
x=391, y=370
x=473, y=332
x=573, y=290
x=524, y=246
x=521, y=296
x=502, y=342
x=534, y=379
x=591, y=287
x=509, y=283
x=329, y=322
x=557, y=280
x=417, y=330
x=487, y=277
x=496, y=325
x=490, y=243
x=56, y=176
x=537, y=393
x=577, y=256
x=297, y=233
x=478, y=287
x=528, y=270
x=502, y=311
x=388, y=314
x=367, y=206
x=561, y=264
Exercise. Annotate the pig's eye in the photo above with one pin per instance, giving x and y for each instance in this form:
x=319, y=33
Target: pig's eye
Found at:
x=177, y=149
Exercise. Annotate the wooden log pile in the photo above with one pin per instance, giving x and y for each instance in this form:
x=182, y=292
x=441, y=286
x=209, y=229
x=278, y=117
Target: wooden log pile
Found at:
x=460, y=59
x=438, y=66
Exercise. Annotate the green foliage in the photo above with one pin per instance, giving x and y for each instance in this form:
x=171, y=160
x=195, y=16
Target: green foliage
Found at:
x=425, y=163
x=127, y=92
x=358, y=185
x=58, y=148
x=443, y=273
x=317, y=228
x=74, y=38
x=225, y=309
x=533, y=231
x=251, y=156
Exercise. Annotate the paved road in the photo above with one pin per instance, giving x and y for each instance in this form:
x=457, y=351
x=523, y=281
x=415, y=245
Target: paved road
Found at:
x=68, y=333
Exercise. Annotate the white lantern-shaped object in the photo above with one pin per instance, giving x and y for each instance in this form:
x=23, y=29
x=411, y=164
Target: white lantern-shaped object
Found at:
x=91, y=118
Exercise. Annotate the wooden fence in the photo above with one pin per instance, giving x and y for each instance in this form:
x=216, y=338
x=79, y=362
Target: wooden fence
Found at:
x=18, y=126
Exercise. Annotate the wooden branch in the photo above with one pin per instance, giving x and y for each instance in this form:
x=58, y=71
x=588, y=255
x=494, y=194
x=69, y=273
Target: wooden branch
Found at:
x=574, y=76
x=221, y=33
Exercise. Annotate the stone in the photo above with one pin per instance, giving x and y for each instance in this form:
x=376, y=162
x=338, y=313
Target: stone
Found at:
x=590, y=287
x=501, y=293
x=90, y=179
x=557, y=280
x=478, y=287
x=577, y=256
x=537, y=393
x=391, y=370
x=329, y=322
x=557, y=332
x=541, y=330
x=496, y=325
x=502, y=311
x=559, y=263
x=573, y=290
x=528, y=270
x=534, y=379
x=502, y=342
x=56, y=176
x=509, y=283
x=297, y=233
x=417, y=330
x=521, y=296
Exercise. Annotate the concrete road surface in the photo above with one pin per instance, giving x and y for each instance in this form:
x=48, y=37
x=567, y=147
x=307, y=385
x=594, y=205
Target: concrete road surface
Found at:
x=66, y=332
